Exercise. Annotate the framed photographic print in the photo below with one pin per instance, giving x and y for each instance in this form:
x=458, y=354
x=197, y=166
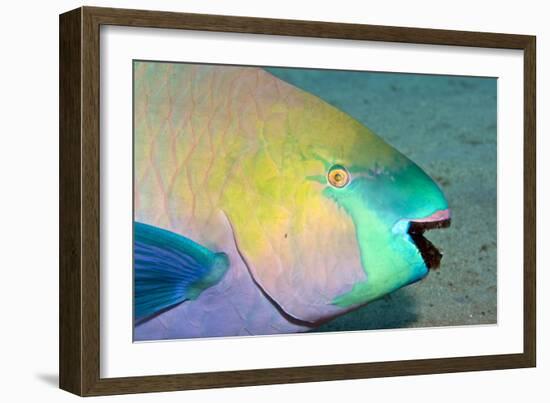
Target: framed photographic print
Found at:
x=250, y=201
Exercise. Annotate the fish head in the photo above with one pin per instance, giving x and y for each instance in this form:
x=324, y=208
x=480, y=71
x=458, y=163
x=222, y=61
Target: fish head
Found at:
x=391, y=202
x=329, y=216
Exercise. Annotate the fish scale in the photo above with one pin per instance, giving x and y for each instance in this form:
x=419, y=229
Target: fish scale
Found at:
x=237, y=290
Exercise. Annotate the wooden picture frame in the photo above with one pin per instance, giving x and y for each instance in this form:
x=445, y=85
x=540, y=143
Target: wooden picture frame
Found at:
x=79, y=278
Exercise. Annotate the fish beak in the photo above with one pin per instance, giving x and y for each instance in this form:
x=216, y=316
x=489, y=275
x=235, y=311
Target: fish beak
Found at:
x=415, y=228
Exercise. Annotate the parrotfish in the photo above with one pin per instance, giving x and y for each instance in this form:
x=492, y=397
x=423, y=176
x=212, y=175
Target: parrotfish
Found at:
x=260, y=208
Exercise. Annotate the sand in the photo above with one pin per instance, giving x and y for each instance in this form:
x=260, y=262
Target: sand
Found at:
x=447, y=125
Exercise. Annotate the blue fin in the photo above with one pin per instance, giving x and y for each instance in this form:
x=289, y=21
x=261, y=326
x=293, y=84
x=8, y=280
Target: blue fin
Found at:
x=169, y=269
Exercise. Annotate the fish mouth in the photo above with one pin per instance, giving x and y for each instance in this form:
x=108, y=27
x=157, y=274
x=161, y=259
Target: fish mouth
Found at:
x=430, y=254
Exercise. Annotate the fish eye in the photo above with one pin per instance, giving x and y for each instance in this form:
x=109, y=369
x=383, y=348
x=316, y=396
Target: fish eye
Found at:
x=338, y=176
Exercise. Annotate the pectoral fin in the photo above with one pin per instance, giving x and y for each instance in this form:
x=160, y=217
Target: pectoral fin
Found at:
x=170, y=268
